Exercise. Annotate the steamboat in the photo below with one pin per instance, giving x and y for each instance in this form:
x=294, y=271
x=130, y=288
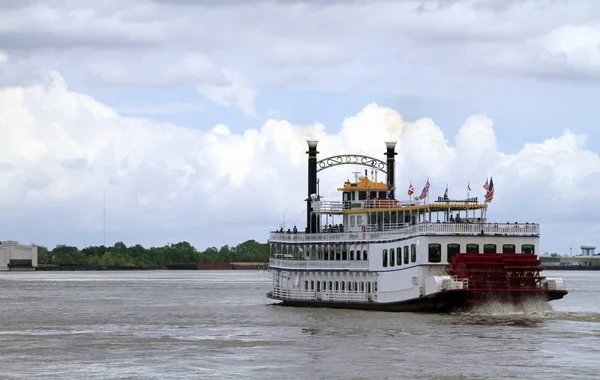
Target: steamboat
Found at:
x=393, y=255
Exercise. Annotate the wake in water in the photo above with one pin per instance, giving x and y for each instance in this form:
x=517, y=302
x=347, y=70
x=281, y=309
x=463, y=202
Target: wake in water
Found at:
x=529, y=313
x=529, y=307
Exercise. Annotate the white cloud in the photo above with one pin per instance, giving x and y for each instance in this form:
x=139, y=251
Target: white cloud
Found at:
x=159, y=109
x=238, y=92
x=372, y=46
x=225, y=87
x=61, y=149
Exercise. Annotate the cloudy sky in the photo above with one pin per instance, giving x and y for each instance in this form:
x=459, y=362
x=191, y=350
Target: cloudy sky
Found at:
x=191, y=116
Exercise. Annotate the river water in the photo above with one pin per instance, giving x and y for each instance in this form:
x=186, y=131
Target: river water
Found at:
x=219, y=325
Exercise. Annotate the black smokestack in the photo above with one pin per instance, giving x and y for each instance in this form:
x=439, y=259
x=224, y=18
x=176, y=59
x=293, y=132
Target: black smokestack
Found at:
x=312, y=221
x=391, y=165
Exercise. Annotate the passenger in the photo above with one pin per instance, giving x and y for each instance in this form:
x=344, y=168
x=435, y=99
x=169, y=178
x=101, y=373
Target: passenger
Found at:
x=451, y=219
x=458, y=220
x=341, y=227
x=288, y=231
x=295, y=230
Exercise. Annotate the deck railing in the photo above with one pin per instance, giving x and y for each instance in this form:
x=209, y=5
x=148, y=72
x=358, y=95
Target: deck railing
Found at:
x=517, y=229
x=367, y=204
x=288, y=294
x=319, y=264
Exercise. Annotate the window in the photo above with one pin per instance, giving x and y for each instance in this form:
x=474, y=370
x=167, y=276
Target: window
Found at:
x=509, y=248
x=399, y=255
x=528, y=248
x=357, y=255
x=330, y=285
x=312, y=285
x=472, y=248
x=365, y=257
x=452, y=249
x=490, y=248
x=351, y=255
x=306, y=285
x=435, y=253
x=392, y=257
x=359, y=220
x=352, y=220
x=337, y=286
x=413, y=253
x=385, y=258
x=406, y=254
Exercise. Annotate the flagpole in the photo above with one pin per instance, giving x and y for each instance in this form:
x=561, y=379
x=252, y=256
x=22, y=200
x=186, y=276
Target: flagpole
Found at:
x=104, y=217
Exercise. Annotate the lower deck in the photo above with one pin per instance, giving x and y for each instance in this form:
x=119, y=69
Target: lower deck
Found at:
x=404, y=270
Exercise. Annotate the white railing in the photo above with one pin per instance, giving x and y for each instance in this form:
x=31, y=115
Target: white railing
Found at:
x=318, y=264
x=329, y=206
x=522, y=229
x=459, y=283
x=287, y=294
x=340, y=206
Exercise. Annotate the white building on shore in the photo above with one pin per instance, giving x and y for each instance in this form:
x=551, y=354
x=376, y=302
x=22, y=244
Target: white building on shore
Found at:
x=15, y=256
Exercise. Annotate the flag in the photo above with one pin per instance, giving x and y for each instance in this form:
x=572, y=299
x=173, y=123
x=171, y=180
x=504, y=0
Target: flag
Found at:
x=469, y=186
x=489, y=196
x=411, y=189
x=446, y=193
x=486, y=186
x=425, y=191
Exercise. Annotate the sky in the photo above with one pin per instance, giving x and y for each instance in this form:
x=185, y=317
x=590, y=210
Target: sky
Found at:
x=160, y=121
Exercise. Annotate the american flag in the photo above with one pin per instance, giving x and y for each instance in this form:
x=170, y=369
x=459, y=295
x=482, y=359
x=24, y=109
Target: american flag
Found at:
x=469, y=186
x=425, y=191
x=489, y=196
x=486, y=185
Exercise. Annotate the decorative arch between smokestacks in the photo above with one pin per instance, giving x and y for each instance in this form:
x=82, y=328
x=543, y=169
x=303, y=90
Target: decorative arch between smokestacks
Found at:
x=314, y=166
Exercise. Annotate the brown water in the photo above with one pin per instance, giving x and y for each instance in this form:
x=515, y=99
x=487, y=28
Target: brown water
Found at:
x=219, y=325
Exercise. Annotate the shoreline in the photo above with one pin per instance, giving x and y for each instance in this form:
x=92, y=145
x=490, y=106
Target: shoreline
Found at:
x=181, y=266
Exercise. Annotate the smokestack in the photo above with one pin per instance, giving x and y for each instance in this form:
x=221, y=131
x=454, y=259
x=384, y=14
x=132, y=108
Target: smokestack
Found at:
x=312, y=221
x=391, y=164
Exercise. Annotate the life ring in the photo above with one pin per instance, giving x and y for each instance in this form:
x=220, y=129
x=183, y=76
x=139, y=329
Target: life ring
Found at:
x=363, y=228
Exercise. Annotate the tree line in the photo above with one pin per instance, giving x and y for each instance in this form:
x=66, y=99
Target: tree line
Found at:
x=136, y=256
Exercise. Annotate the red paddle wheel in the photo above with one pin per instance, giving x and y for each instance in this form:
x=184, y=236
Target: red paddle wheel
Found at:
x=503, y=277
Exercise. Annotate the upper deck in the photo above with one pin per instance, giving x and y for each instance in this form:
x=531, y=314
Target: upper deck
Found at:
x=442, y=229
x=359, y=206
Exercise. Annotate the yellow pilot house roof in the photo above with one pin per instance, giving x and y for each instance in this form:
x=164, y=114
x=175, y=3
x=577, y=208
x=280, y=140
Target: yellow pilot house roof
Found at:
x=364, y=185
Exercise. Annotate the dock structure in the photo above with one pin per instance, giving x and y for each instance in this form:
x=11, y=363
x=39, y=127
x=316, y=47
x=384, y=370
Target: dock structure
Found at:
x=15, y=256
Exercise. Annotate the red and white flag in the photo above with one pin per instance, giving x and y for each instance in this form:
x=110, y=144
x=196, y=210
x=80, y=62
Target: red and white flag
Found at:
x=489, y=196
x=425, y=191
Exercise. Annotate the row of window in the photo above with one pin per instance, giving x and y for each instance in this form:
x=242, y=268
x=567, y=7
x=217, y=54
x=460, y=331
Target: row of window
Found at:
x=395, y=255
x=340, y=286
x=435, y=250
x=356, y=220
x=352, y=255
